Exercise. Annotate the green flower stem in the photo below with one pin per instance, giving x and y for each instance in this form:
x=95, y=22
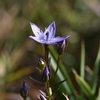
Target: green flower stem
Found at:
x=47, y=88
x=58, y=61
x=47, y=84
x=46, y=54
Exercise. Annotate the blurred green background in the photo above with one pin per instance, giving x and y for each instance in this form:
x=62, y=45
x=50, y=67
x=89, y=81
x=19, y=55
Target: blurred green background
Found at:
x=19, y=54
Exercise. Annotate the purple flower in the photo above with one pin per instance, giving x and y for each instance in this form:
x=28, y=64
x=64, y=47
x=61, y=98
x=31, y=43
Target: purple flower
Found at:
x=61, y=47
x=24, y=90
x=46, y=74
x=48, y=36
x=42, y=97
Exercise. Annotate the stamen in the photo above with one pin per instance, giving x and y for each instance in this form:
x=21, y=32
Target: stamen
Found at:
x=47, y=34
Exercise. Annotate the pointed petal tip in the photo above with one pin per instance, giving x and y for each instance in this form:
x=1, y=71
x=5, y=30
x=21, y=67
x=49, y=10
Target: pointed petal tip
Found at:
x=31, y=36
x=31, y=23
x=53, y=23
x=68, y=36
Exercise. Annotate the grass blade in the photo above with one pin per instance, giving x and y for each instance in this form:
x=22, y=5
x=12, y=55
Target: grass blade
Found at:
x=62, y=74
x=82, y=65
x=98, y=97
x=84, y=86
x=95, y=72
x=82, y=60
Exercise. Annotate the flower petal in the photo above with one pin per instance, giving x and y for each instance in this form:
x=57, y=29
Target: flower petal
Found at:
x=59, y=39
x=50, y=31
x=35, y=29
x=37, y=40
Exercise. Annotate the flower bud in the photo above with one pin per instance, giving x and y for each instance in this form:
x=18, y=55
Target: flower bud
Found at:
x=24, y=90
x=41, y=64
x=61, y=47
x=50, y=91
x=46, y=74
x=42, y=97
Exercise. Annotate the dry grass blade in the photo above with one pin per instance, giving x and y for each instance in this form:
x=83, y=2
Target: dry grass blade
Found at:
x=66, y=96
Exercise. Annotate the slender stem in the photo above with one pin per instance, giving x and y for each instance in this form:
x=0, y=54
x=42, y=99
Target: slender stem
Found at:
x=46, y=59
x=58, y=61
x=46, y=54
x=46, y=87
x=47, y=84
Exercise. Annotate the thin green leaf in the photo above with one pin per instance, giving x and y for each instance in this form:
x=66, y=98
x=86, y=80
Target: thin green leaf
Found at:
x=55, y=91
x=98, y=97
x=82, y=60
x=36, y=81
x=95, y=73
x=82, y=64
x=84, y=86
x=59, y=83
